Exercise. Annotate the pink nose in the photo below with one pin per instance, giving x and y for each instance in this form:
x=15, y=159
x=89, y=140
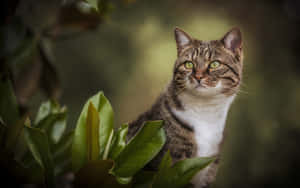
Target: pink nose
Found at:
x=198, y=75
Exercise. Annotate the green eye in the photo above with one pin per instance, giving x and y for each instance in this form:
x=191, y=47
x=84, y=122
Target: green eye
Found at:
x=214, y=64
x=188, y=65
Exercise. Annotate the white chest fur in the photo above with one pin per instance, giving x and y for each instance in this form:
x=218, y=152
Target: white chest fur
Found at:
x=207, y=116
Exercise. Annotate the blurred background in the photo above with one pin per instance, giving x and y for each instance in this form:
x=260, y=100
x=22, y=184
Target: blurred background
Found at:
x=129, y=53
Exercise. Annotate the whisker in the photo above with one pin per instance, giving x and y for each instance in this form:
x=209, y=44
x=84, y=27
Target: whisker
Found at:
x=239, y=91
x=244, y=92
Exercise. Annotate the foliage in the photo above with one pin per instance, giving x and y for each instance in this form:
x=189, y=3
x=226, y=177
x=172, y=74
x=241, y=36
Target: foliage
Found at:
x=38, y=144
x=180, y=173
x=40, y=151
x=50, y=149
x=26, y=45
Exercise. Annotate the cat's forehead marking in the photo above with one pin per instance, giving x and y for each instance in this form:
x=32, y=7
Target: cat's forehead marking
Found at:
x=202, y=50
x=195, y=53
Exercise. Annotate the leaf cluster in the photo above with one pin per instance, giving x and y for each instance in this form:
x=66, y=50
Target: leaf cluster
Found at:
x=40, y=150
x=95, y=151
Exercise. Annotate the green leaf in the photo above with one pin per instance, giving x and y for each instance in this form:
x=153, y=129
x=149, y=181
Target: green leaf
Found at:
x=8, y=102
x=122, y=180
x=87, y=133
x=20, y=147
x=95, y=174
x=119, y=142
x=61, y=155
x=38, y=144
x=180, y=173
x=13, y=132
x=54, y=125
x=62, y=152
x=108, y=145
x=52, y=118
x=143, y=179
x=93, y=3
x=140, y=149
x=46, y=108
x=106, y=116
x=63, y=148
x=165, y=164
x=92, y=126
x=58, y=128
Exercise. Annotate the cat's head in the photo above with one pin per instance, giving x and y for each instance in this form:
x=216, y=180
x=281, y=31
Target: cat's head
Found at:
x=208, y=68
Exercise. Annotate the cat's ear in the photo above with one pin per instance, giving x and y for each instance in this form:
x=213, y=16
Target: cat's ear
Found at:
x=233, y=40
x=182, y=39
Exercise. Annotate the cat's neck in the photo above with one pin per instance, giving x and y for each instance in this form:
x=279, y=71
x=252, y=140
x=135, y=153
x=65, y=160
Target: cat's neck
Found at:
x=207, y=118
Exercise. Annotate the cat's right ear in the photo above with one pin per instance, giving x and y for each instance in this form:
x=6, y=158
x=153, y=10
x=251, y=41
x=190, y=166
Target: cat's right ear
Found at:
x=233, y=40
x=182, y=39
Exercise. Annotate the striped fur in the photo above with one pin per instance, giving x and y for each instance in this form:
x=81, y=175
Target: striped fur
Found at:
x=193, y=107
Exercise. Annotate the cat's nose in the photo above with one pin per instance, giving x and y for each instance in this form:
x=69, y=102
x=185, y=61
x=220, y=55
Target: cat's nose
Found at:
x=199, y=75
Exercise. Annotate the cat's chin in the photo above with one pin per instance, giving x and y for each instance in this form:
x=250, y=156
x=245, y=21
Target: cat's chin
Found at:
x=205, y=91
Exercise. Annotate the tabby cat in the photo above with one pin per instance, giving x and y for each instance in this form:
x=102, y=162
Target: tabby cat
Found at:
x=194, y=106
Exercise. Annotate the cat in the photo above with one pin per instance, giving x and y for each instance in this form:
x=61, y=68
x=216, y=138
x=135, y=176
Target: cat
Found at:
x=194, y=105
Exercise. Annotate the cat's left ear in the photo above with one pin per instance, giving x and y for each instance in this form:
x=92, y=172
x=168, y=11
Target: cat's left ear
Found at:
x=233, y=40
x=182, y=39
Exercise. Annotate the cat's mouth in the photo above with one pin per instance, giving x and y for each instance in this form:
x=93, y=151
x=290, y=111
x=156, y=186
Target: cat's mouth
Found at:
x=200, y=85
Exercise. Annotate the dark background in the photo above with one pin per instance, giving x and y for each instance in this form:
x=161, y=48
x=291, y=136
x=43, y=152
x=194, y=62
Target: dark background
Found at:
x=130, y=57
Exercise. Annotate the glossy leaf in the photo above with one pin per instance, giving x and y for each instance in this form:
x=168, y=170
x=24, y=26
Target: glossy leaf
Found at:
x=122, y=180
x=63, y=148
x=92, y=131
x=52, y=118
x=140, y=149
x=79, y=146
x=58, y=128
x=54, y=125
x=165, y=164
x=143, y=179
x=38, y=144
x=45, y=110
x=180, y=173
x=8, y=102
x=119, y=142
x=61, y=153
x=107, y=122
x=108, y=145
x=95, y=174
x=87, y=133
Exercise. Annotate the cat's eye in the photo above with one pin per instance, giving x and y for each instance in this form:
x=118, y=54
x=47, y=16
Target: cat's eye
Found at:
x=188, y=65
x=214, y=64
